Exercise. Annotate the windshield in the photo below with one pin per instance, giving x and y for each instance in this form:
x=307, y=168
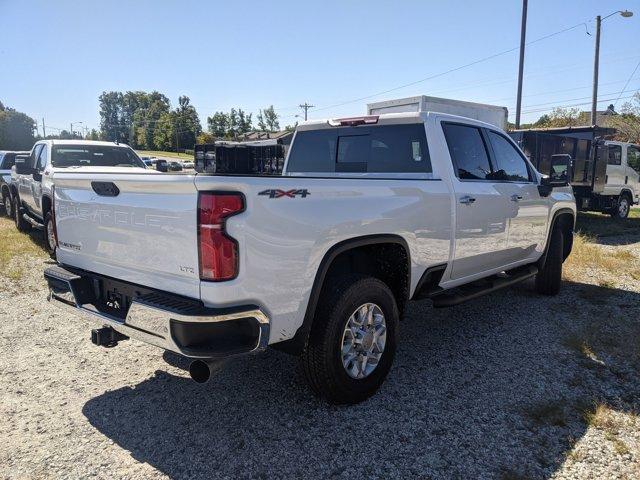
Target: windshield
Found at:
x=95, y=156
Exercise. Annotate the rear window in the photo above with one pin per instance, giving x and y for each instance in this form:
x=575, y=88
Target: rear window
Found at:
x=383, y=149
x=95, y=156
x=7, y=161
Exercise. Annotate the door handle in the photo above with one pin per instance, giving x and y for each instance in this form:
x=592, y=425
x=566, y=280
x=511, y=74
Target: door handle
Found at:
x=516, y=198
x=467, y=200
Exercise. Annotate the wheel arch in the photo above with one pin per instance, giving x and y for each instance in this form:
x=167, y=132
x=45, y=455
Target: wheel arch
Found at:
x=331, y=259
x=46, y=205
x=566, y=219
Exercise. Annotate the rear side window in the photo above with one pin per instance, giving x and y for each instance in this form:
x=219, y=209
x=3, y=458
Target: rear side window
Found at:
x=383, y=149
x=633, y=158
x=509, y=164
x=7, y=161
x=615, y=155
x=468, y=151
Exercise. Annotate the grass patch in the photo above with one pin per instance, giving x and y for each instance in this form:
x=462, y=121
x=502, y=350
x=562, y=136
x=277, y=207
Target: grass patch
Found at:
x=602, y=417
x=158, y=153
x=602, y=225
x=14, y=244
x=586, y=254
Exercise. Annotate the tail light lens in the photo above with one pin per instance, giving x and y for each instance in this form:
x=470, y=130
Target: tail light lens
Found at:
x=218, y=251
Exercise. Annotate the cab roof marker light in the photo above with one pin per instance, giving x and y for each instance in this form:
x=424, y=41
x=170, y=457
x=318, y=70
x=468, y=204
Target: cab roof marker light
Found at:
x=354, y=121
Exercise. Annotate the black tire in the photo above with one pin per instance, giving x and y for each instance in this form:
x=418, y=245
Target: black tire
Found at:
x=49, y=237
x=622, y=208
x=21, y=224
x=8, y=204
x=322, y=358
x=549, y=278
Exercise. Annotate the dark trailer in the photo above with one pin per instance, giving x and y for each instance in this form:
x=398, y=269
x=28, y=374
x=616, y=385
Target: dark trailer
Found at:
x=589, y=154
x=231, y=158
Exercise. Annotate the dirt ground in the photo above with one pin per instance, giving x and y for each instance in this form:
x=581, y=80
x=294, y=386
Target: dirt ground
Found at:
x=509, y=386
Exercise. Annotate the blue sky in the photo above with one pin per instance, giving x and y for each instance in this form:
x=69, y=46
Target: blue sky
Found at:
x=56, y=57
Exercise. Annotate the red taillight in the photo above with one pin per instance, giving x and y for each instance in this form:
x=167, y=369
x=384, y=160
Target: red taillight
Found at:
x=218, y=251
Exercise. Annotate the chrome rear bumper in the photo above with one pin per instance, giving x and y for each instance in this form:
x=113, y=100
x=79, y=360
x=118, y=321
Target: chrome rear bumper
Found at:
x=180, y=325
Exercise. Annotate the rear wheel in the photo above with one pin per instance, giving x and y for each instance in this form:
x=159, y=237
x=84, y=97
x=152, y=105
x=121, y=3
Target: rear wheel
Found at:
x=8, y=204
x=549, y=278
x=621, y=210
x=353, y=340
x=21, y=224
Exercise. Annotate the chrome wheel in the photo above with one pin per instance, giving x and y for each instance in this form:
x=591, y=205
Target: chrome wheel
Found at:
x=363, y=341
x=51, y=238
x=623, y=207
x=7, y=206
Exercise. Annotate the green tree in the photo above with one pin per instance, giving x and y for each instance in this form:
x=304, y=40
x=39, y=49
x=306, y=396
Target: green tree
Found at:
x=187, y=123
x=559, y=117
x=16, y=130
x=111, y=105
x=271, y=119
x=627, y=122
x=244, y=122
x=164, y=132
x=218, y=124
x=93, y=135
x=262, y=126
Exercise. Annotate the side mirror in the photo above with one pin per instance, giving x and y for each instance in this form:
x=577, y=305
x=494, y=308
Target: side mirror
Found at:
x=162, y=166
x=23, y=167
x=560, y=173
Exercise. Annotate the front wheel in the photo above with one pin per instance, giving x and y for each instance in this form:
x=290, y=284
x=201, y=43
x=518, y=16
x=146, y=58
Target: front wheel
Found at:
x=21, y=224
x=353, y=339
x=549, y=278
x=49, y=234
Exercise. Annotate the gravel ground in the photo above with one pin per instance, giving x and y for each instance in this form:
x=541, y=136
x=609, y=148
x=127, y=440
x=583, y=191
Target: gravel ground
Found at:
x=502, y=387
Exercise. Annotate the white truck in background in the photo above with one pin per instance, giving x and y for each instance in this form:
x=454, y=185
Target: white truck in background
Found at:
x=32, y=177
x=491, y=114
x=370, y=212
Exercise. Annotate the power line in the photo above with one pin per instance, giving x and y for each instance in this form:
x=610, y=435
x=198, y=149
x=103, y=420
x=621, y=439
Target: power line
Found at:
x=628, y=80
x=573, y=105
x=451, y=70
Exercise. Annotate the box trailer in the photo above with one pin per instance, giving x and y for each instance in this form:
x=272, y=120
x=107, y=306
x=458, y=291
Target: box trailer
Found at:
x=492, y=114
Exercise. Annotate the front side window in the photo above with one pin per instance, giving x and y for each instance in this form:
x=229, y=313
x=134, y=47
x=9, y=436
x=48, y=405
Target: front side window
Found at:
x=633, y=157
x=7, y=160
x=33, y=159
x=94, y=155
x=509, y=164
x=468, y=151
x=615, y=155
x=42, y=159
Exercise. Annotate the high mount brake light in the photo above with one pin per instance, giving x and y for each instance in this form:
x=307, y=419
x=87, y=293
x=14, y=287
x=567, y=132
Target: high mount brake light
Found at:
x=218, y=251
x=354, y=121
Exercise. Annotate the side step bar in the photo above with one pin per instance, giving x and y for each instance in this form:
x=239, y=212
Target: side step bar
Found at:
x=34, y=224
x=449, y=298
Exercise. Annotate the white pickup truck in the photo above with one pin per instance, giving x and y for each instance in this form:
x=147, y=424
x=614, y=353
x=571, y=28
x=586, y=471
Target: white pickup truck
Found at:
x=32, y=182
x=370, y=212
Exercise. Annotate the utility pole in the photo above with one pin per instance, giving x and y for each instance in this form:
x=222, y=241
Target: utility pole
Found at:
x=596, y=61
x=44, y=130
x=305, y=106
x=523, y=34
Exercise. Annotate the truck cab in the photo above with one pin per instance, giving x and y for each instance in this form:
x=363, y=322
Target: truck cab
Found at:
x=623, y=175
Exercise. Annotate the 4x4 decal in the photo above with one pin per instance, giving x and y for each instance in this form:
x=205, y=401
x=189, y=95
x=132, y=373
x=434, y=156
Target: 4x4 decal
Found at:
x=277, y=193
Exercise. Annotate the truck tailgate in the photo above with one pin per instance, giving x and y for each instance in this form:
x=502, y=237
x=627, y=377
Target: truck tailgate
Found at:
x=144, y=231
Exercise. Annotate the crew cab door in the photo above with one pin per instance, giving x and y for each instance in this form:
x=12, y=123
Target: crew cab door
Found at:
x=516, y=180
x=615, y=178
x=482, y=209
x=25, y=182
x=633, y=170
